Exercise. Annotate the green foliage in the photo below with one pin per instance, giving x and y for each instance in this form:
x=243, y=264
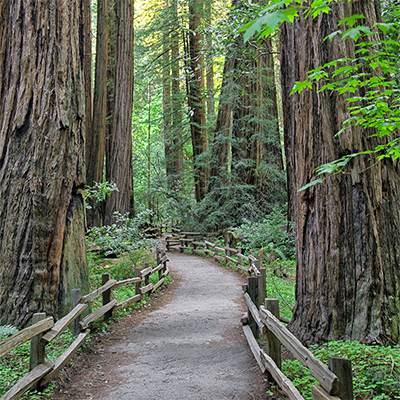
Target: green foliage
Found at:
x=125, y=235
x=370, y=85
x=369, y=81
x=6, y=331
x=270, y=234
x=376, y=369
x=15, y=365
x=98, y=193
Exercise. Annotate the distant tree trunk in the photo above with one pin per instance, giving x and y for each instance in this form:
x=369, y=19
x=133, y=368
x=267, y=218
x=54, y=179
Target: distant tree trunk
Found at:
x=120, y=141
x=256, y=155
x=87, y=48
x=209, y=66
x=97, y=145
x=176, y=97
x=348, y=247
x=196, y=99
x=267, y=147
x=167, y=114
x=42, y=132
x=223, y=132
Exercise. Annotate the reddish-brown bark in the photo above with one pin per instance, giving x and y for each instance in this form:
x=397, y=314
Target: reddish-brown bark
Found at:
x=348, y=248
x=42, y=132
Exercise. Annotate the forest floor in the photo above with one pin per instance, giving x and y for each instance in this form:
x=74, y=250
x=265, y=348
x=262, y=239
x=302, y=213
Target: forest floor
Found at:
x=189, y=346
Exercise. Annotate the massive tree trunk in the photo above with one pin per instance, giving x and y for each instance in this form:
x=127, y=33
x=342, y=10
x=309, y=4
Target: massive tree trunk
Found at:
x=119, y=163
x=348, y=247
x=96, y=146
x=196, y=99
x=42, y=131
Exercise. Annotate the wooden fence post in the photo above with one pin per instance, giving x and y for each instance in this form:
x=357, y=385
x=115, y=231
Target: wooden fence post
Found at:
x=136, y=273
x=181, y=247
x=261, y=287
x=342, y=368
x=147, y=277
x=274, y=345
x=164, y=254
x=38, y=347
x=76, y=298
x=239, y=259
x=253, y=293
x=158, y=255
x=106, y=296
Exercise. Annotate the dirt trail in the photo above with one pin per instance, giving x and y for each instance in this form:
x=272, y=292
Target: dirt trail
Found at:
x=190, y=347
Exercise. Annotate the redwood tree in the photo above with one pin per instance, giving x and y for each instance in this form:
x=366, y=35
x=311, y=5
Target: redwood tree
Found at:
x=96, y=143
x=119, y=156
x=42, y=131
x=196, y=98
x=348, y=247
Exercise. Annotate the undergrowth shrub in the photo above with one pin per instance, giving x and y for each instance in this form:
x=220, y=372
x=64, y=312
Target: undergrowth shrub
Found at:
x=270, y=234
x=124, y=236
x=376, y=369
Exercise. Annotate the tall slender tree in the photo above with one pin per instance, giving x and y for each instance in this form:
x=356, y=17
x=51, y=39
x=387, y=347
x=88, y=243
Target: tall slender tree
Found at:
x=119, y=157
x=176, y=95
x=42, y=131
x=209, y=64
x=196, y=98
x=348, y=249
x=167, y=88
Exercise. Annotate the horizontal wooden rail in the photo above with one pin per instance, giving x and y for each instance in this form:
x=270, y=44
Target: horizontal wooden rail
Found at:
x=64, y=358
x=94, y=316
x=96, y=293
x=26, y=334
x=128, y=302
x=147, y=271
x=254, y=312
x=28, y=381
x=127, y=282
x=327, y=379
x=64, y=322
x=280, y=378
x=146, y=289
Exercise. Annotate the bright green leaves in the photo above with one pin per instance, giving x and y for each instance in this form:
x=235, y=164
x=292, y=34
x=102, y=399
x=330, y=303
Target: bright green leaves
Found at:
x=269, y=22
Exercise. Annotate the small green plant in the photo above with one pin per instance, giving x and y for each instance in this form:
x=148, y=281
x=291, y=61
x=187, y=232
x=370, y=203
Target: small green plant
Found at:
x=98, y=193
x=376, y=369
x=6, y=331
x=124, y=236
x=270, y=234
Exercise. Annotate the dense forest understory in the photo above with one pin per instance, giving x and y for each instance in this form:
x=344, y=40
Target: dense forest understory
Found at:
x=271, y=126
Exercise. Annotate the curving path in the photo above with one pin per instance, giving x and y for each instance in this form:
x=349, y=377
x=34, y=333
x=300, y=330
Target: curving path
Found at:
x=189, y=348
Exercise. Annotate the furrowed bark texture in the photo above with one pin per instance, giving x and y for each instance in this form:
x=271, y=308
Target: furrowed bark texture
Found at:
x=119, y=163
x=196, y=99
x=97, y=145
x=42, y=132
x=86, y=40
x=348, y=247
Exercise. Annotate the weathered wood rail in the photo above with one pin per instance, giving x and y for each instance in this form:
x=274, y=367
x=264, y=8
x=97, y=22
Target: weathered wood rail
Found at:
x=44, y=330
x=264, y=328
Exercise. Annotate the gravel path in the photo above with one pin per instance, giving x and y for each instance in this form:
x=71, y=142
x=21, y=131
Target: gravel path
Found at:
x=189, y=348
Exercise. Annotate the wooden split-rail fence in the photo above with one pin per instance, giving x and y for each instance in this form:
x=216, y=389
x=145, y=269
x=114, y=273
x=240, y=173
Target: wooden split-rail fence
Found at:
x=265, y=329
x=44, y=330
